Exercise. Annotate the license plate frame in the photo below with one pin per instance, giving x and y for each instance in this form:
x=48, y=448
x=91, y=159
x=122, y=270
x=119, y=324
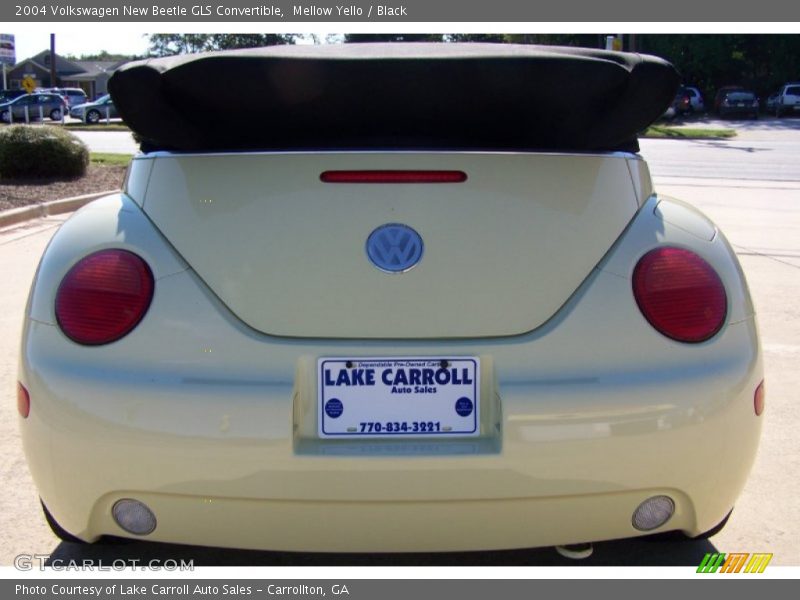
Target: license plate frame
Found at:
x=398, y=397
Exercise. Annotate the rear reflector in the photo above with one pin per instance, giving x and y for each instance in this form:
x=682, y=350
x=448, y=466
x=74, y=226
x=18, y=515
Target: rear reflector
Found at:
x=759, y=399
x=103, y=297
x=393, y=177
x=680, y=294
x=23, y=401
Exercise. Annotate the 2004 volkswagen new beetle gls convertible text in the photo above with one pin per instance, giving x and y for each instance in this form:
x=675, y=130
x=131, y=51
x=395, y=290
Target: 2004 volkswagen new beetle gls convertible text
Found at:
x=430, y=302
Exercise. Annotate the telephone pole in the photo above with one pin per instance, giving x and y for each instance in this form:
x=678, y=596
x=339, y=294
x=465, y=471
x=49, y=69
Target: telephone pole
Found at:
x=53, y=82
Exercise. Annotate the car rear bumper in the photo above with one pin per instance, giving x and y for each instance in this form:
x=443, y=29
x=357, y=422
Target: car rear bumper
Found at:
x=737, y=111
x=213, y=425
x=224, y=465
x=392, y=526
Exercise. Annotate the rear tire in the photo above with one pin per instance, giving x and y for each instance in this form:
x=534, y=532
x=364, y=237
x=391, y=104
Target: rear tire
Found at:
x=55, y=114
x=60, y=532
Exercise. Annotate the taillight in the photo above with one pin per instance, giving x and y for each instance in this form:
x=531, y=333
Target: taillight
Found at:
x=680, y=294
x=104, y=296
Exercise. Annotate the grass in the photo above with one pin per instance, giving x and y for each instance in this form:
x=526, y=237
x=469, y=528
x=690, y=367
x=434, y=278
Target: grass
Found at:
x=108, y=159
x=101, y=126
x=78, y=126
x=686, y=133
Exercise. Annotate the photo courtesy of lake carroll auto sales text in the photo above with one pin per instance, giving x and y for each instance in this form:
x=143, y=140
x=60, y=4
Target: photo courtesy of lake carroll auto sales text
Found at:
x=56, y=590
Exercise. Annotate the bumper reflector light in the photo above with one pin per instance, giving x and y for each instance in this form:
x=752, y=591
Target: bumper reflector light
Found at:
x=758, y=399
x=134, y=516
x=653, y=513
x=23, y=401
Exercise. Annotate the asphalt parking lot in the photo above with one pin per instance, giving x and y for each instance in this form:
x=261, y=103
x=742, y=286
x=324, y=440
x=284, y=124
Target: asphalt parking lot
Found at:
x=760, y=217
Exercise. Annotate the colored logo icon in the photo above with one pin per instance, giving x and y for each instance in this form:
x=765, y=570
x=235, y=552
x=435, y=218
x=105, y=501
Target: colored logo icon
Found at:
x=734, y=562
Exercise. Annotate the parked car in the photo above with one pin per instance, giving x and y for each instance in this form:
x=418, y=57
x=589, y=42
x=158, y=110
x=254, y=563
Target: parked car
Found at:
x=93, y=112
x=381, y=318
x=8, y=95
x=696, y=103
x=739, y=103
x=721, y=92
x=682, y=102
x=771, y=103
x=72, y=96
x=787, y=100
x=35, y=106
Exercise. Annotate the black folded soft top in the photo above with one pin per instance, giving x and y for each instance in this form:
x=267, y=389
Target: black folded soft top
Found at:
x=394, y=96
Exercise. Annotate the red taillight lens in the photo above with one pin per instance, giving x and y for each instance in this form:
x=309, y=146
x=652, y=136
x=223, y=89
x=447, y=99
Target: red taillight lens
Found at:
x=23, y=401
x=680, y=294
x=104, y=296
x=393, y=177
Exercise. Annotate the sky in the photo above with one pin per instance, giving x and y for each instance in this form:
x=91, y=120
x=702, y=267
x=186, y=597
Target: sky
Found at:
x=115, y=38
x=77, y=42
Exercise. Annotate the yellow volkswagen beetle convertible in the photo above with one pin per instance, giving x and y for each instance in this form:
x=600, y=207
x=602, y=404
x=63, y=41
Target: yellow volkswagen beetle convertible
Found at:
x=415, y=298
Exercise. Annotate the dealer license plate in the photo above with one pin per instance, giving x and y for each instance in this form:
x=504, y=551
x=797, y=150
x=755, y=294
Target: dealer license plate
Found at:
x=398, y=397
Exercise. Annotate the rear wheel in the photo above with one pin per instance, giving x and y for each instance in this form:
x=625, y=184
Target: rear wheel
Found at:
x=4, y=116
x=55, y=114
x=60, y=532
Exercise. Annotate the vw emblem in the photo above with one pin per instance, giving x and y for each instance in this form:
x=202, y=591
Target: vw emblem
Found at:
x=394, y=248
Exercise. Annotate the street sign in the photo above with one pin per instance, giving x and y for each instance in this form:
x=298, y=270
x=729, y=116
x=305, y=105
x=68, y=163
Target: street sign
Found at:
x=8, y=53
x=28, y=84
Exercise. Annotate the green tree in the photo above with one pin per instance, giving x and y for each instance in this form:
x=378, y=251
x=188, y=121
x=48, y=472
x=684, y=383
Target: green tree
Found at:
x=590, y=40
x=758, y=61
x=101, y=56
x=169, y=44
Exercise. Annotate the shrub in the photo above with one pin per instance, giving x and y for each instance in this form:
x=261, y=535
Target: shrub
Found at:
x=38, y=152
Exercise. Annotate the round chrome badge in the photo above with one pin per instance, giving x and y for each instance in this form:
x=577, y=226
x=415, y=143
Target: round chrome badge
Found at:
x=394, y=248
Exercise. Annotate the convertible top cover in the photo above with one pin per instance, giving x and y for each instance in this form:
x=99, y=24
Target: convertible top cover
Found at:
x=402, y=96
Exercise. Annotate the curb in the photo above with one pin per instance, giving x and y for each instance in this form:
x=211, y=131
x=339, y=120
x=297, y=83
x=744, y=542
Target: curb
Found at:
x=43, y=209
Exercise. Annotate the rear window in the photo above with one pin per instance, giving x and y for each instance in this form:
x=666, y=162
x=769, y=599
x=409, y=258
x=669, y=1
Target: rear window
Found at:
x=740, y=96
x=793, y=90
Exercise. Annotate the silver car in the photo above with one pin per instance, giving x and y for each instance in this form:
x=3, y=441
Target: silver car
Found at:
x=32, y=107
x=93, y=112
